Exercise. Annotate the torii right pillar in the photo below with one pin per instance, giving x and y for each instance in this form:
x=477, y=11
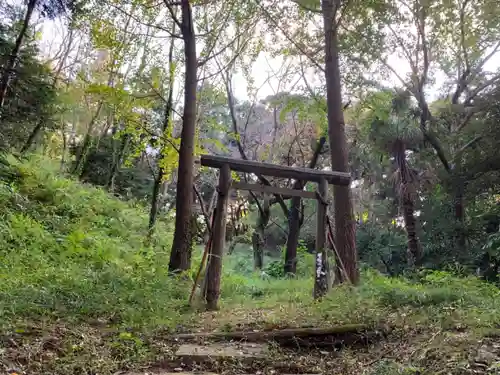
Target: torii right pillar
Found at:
x=321, y=275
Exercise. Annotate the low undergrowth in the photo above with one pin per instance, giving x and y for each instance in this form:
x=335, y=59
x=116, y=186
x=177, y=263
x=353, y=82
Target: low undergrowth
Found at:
x=71, y=251
x=75, y=269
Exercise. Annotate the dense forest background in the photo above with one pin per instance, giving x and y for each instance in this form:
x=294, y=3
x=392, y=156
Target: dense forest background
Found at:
x=421, y=103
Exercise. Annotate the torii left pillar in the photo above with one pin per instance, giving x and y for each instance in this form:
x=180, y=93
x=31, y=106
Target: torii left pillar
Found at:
x=214, y=268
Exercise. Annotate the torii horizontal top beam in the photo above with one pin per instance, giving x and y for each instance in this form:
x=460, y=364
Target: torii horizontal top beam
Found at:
x=267, y=169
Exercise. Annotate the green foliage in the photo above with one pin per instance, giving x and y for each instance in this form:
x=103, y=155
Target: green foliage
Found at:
x=380, y=247
x=31, y=95
x=304, y=263
x=132, y=180
x=437, y=299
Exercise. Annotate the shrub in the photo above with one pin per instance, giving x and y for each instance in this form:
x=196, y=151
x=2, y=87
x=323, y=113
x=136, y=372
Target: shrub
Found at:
x=275, y=268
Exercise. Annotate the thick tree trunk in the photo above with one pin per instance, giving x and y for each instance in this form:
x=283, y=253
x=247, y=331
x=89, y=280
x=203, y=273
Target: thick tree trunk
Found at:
x=294, y=218
x=414, y=256
x=345, y=224
x=181, y=246
x=414, y=249
x=11, y=62
x=214, y=264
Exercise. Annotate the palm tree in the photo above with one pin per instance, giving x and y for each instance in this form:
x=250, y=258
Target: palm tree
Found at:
x=395, y=131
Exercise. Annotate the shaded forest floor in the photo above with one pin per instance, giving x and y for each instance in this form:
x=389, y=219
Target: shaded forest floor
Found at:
x=82, y=293
x=50, y=347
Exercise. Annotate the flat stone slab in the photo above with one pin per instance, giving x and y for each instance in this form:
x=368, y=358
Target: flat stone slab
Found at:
x=186, y=373
x=171, y=373
x=198, y=353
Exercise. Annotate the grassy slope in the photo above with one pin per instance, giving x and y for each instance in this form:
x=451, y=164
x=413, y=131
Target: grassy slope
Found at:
x=73, y=264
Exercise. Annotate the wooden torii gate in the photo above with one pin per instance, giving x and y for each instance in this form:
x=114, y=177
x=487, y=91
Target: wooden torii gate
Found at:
x=226, y=165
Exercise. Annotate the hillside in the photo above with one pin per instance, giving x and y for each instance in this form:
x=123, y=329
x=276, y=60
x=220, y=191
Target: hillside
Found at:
x=81, y=292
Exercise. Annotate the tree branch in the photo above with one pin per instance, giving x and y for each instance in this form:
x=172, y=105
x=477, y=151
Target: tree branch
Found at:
x=243, y=155
x=290, y=39
x=172, y=11
x=203, y=210
x=139, y=21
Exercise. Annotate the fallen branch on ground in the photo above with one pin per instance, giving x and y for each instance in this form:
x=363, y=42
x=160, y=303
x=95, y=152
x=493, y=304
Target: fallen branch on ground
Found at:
x=274, y=334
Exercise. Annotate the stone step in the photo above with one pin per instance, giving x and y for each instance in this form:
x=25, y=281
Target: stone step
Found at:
x=171, y=373
x=239, y=351
x=190, y=353
x=189, y=373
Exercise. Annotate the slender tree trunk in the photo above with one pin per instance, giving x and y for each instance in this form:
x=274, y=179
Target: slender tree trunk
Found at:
x=290, y=267
x=208, y=210
x=345, y=224
x=33, y=135
x=11, y=62
x=153, y=213
x=258, y=248
x=259, y=232
x=118, y=161
x=181, y=247
x=65, y=145
x=294, y=218
x=458, y=205
x=82, y=157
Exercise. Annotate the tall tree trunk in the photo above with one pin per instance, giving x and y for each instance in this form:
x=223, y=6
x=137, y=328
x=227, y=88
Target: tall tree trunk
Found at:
x=294, y=216
x=258, y=248
x=259, y=232
x=11, y=62
x=414, y=250
x=345, y=224
x=414, y=256
x=153, y=212
x=180, y=255
x=290, y=266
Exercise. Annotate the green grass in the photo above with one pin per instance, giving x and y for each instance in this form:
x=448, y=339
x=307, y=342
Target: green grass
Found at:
x=71, y=251
x=73, y=259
